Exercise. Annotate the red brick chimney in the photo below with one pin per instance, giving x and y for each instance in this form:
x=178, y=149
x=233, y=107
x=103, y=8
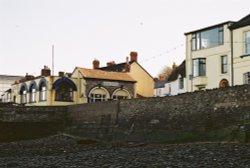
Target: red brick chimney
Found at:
x=133, y=56
x=96, y=64
x=162, y=78
x=45, y=71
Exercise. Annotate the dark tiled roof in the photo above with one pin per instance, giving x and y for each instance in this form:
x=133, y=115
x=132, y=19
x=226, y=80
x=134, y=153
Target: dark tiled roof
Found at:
x=160, y=84
x=210, y=27
x=241, y=23
x=180, y=70
x=116, y=67
x=121, y=67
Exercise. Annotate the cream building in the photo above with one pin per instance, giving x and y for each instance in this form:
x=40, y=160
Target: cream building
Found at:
x=144, y=86
x=241, y=51
x=208, y=57
x=82, y=86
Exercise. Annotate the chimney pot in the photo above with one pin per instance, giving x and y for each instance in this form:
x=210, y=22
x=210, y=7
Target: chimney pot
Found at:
x=133, y=56
x=45, y=71
x=96, y=64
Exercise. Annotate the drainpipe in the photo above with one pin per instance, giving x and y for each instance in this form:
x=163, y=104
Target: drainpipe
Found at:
x=191, y=76
x=232, y=59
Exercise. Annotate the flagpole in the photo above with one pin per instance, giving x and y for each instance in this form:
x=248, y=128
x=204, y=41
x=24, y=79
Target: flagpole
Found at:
x=52, y=60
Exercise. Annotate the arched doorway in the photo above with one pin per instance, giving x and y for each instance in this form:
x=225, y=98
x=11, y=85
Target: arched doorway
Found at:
x=64, y=88
x=224, y=83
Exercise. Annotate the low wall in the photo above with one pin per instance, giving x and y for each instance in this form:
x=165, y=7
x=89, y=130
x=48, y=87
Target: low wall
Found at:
x=212, y=115
x=31, y=122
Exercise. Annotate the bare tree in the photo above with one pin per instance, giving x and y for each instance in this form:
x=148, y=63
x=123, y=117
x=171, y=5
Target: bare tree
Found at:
x=165, y=73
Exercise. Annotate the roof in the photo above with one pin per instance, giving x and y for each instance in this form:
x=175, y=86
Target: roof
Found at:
x=160, y=84
x=10, y=77
x=116, y=67
x=101, y=74
x=210, y=27
x=121, y=67
x=180, y=70
x=241, y=23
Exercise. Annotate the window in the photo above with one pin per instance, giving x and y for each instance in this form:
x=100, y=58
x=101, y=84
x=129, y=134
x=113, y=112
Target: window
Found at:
x=97, y=98
x=247, y=42
x=199, y=67
x=23, y=96
x=247, y=78
x=181, y=83
x=64, y=92
x=33, y=93
x=122, y=94
x=43, y=94
x=98, y=94
x=224, y=63
x=208, y=38
x=42, y=90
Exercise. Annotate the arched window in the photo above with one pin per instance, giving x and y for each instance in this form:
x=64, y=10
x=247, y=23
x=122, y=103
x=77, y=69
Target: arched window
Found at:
x=121, y=94
x=42, y=90
x=224, y=83
x=32, y=91
x=23, y=93
x=64, y=88
x=98, y=94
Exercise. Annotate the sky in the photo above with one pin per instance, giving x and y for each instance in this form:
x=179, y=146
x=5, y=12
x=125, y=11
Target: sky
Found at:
x=107, y=30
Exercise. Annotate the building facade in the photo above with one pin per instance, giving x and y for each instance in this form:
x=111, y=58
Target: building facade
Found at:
x=144, y=86
x=241, y=51
x=5, y=87
x=208, y=57
x=217, y=56
x=82, y=86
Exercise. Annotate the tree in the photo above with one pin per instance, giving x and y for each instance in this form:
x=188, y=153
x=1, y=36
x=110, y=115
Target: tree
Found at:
x=165, y=73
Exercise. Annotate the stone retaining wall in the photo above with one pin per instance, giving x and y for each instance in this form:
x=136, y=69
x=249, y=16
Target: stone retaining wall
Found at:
x=199, y=116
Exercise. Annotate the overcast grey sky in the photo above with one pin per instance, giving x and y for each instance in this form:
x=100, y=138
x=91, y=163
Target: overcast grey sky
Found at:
x=82, y=30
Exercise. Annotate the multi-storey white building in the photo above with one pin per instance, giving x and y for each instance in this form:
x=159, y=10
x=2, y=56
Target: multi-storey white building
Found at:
x=217, y=56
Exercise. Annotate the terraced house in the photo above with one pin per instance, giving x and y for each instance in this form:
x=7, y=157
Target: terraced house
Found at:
x=218, y=56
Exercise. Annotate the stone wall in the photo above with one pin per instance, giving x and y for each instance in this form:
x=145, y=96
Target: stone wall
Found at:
x=212, y=115
x=203, y=115
x=31, y=122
